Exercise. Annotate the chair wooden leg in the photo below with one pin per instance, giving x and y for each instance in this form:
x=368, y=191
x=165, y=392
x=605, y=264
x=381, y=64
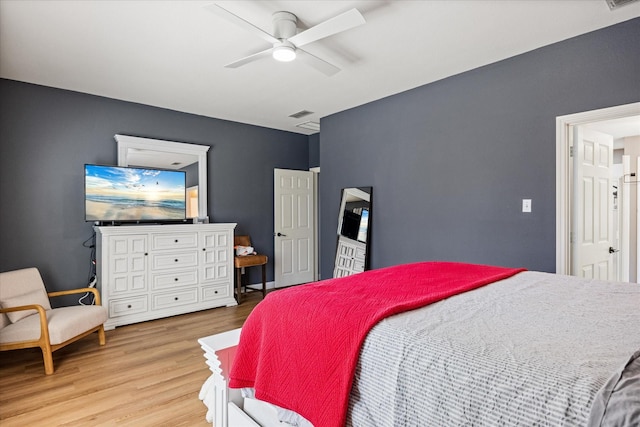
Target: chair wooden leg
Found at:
x=47, y=355
x=239, y=284
x=264, y=280
x=101, y=336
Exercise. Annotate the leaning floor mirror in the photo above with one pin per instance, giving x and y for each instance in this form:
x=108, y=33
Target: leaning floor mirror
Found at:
x=354, y=231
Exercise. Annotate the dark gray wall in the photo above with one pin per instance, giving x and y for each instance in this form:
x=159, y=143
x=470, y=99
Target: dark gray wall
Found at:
x=314, y=150
x=450, y=162
x=47, y=135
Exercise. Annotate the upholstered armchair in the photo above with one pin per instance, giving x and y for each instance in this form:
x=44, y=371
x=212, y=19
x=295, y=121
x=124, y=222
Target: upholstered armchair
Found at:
x=27, y=319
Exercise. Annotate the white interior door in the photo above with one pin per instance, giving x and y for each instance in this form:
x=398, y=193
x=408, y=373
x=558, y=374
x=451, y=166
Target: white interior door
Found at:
x=593, y=202
x=294, y=227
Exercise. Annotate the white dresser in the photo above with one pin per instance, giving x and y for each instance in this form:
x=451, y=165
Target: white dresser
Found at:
x=147, y=272
x=350, y=257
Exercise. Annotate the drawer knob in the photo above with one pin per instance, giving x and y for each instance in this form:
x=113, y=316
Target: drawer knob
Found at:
x=176, y=260
x=129, y=306
x=176, y=240
x=176, y=298
x=215, y=292
x=175, y=280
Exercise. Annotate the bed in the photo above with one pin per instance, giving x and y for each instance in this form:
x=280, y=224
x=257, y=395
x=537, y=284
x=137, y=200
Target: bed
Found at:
x=509, y=347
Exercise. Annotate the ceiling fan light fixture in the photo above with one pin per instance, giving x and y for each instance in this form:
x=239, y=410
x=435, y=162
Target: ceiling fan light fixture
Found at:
x=284, y=53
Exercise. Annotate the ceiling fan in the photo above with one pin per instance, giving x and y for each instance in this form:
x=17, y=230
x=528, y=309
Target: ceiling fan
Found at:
x=287, y=42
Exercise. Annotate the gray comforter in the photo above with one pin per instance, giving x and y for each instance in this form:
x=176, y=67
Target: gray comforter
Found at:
x=537, y=349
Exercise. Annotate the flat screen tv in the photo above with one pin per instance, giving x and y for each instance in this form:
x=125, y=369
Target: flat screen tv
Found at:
x=350, y=225
x=133, y=194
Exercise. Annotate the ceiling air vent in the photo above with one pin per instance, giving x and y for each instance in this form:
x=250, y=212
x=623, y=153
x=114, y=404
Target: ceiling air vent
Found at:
x=614, y=4
x=301, y=114
x=309, y=125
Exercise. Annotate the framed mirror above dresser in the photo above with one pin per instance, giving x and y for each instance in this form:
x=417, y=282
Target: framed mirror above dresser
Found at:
x=354, y=231
x=157, y=153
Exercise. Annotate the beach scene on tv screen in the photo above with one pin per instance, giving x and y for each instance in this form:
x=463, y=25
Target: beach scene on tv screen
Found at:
x=132, y=194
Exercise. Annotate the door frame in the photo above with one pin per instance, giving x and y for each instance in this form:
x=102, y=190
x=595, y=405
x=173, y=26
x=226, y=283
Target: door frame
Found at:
x=316, y=220
x=564, y=178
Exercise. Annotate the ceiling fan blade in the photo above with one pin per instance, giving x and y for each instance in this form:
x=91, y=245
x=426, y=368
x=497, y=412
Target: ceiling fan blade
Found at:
x=317, y=63
x=224, y=13
x=345, y=21
x=250, y=58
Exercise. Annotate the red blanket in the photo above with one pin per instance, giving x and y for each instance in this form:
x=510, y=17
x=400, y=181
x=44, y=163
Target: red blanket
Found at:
x=299, y=347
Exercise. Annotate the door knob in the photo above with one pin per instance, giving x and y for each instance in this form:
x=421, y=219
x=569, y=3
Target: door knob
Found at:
x=611, y=250
x=281, y=235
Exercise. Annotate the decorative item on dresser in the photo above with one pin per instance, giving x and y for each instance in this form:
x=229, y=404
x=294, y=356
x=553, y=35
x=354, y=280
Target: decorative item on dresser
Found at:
x=151, y=271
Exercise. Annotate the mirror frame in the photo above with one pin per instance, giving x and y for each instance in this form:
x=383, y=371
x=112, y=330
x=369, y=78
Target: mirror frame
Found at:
x=126, y=142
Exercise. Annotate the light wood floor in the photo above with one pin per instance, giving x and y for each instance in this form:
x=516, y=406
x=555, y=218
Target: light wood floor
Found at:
x=147, y=374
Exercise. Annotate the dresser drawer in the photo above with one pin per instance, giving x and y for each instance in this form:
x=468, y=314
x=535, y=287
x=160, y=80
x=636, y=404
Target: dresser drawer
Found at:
x=173, y=299
x=124, y=307
x=174, y=241
x=164, y=281
x=164, y=261
x=209, y=293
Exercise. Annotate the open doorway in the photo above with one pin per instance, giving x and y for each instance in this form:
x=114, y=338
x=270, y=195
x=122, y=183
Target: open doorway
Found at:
x=619, y=195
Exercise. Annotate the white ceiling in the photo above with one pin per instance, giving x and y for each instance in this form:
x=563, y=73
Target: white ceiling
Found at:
x=171, y=54
x=618, y=128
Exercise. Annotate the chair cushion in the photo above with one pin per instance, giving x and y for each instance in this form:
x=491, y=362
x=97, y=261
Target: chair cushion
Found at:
x=38, y=296
x=18, y=282
x=4, y=320
x=64, y=324
x=250, y=260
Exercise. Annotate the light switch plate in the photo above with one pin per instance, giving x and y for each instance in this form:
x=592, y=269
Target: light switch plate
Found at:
x=526, y=205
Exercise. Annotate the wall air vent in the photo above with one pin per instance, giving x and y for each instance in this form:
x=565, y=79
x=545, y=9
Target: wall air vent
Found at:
x=614, y=4
x=309, y=125
x=301, y=114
